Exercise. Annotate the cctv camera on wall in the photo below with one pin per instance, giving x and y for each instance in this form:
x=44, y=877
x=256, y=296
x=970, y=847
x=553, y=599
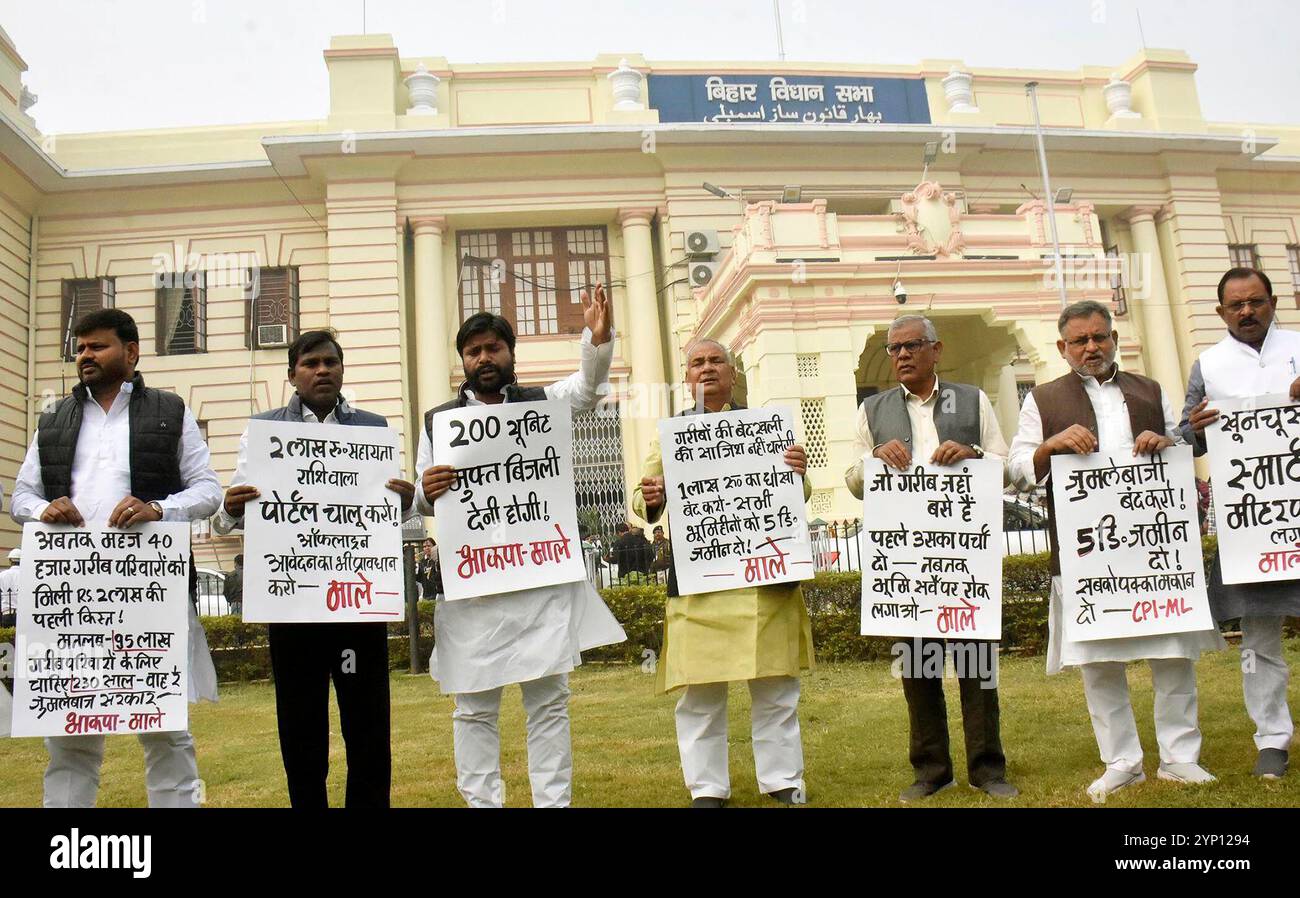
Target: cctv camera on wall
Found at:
x=900, y=293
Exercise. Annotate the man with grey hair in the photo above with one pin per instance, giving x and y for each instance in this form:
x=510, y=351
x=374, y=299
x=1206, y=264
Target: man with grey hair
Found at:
x=757, y=634
x=1098, y=408
x=927, y=421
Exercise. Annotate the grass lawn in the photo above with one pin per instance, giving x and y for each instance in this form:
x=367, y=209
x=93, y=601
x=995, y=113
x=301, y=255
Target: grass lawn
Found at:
x=854, y=731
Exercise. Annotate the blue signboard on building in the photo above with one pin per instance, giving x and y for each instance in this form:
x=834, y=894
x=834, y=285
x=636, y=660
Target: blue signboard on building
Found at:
x=794, y=99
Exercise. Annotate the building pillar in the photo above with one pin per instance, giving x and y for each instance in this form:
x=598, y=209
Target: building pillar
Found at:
x=1007, y=405
x=431, y=339
x=641, y=330
x=1160, y=347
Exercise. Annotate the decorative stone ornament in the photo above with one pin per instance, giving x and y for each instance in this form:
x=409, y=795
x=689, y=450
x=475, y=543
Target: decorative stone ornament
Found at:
x=26, y=100
x=422, y=89
x=626, y=84
x=1119, y=98
x=957, y=90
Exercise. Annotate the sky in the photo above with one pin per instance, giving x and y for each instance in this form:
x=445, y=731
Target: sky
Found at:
x=111, y=65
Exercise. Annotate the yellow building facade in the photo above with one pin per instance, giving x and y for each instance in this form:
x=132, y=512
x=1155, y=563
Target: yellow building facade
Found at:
x=432, y=190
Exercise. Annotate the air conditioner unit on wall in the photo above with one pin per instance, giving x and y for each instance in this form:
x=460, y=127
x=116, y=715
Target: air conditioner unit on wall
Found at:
x=272, y=335
x=702, y=273
x=701, y=244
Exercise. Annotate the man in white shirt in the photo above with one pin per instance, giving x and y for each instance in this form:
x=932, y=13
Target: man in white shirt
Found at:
x=1099, y=408
x=117, y=453
x=1255, y=358
x=926, y=421
x=532, y=637
x=9, y=586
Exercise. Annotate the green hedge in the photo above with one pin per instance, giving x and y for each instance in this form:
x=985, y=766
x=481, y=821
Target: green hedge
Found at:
x=240, y=652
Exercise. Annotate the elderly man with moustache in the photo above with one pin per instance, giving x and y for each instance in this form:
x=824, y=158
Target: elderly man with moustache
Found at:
x=1096, y=407
x=759, y=635
x=929, y=421
x=1255, y=358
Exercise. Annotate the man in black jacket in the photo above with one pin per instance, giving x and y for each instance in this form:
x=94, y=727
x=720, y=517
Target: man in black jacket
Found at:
x=304, y=657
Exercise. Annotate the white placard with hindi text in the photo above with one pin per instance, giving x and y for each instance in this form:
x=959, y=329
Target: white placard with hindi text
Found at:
x=1254, y=451
x=103, y=630
x=323, y=542
x=736, y=507
x=1130, y=544
x=932, y=550
x=510, y=520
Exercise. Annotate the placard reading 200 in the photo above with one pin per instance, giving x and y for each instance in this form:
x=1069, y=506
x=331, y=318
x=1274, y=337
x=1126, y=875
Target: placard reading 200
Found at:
x=479, y=429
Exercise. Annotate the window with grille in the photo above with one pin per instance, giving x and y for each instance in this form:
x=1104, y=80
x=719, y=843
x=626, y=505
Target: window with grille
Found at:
x=80, y=296
x=1023, y=389
x=598, y=463
x=813, y=413
x=271, y=307
x=181, y=313
x=808, y=365
x=820, y=503
x=1293, y=260
x=1243, y=255
x=532, y=277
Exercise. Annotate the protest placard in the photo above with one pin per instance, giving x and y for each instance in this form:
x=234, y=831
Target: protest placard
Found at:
x=1130, y=544
x=103, y=630
x=932, y=550
x=323, y=542
x=736, y=508
x=510, y=520
x=1254, y=452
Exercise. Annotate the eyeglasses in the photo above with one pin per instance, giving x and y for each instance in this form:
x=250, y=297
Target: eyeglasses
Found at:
x=912, y=346
x=1082, y=342
x=1253, y=305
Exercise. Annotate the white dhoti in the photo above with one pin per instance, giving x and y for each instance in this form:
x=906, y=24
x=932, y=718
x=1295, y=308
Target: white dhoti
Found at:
x=6, y=710
x=702, y=736
x=1102, y=663
x=171, y=772
x=534, y=637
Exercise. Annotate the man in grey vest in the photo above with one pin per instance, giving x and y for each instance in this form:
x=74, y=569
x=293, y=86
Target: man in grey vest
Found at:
x=532, y=637
x=117, y=453
x=1096, y=407
x=929, y=421
x=306, y=657
x=1255, y=358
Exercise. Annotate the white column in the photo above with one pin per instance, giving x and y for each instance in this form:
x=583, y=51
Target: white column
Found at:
x=1161, y=349
x=640, y=332
x=432, y=342
x=1007, y=405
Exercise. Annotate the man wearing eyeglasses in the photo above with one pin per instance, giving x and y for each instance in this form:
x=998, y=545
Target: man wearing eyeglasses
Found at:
x=1099, y=408
x=931, y=422
x=1254, y=359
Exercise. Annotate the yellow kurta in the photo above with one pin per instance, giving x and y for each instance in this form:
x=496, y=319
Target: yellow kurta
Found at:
x=735, y=634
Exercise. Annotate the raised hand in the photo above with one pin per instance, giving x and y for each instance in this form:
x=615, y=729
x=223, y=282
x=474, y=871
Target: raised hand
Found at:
x=598, y=315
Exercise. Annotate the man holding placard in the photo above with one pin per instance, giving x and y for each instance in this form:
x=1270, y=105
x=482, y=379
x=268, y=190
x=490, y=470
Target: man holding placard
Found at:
x=116, y=453
x=926, y=421
x=1097, y=407
x=759, y=634
x=1256, y=360
x=492, y=633
x=312, y=645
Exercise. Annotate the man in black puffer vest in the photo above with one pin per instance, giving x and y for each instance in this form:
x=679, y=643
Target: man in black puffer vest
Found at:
x=117, y=453
x=304, y=657
x=532, y=637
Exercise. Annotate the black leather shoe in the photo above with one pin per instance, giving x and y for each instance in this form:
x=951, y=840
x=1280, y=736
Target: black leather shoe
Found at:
x=919, y=790
x=1271, y=764
x=708, y=801
x=998, y=788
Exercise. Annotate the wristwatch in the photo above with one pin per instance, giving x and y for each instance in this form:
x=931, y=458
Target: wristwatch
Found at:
x=158, y=508
x=979, y=450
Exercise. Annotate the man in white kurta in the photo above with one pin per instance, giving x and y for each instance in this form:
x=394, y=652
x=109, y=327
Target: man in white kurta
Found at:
x=100, y=495
x=1088, y=343
x=533, y=637
x=1255, y=358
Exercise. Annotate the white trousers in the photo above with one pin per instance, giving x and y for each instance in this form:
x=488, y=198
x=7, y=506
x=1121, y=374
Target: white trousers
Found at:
x=171, y=772
x=702, y=736
x=1105, y=686
x=478, y=744
x=1264, y=678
